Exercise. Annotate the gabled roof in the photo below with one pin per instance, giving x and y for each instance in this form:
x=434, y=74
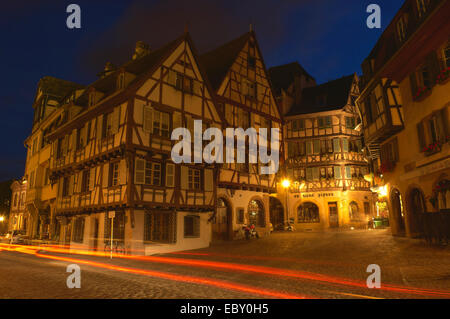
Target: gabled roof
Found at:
x=218, y=61
x=139, y=66
x=329, y=96
x=283, y=76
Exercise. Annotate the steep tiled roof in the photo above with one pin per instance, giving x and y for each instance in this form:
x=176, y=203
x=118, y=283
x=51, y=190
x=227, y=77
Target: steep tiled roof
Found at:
x=282, y=76
x=329, y=96
x=57, y=87
x=218, y=61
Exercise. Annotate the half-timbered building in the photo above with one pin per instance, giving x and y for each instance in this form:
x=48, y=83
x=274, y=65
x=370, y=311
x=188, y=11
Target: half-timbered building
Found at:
x=325, y=162
x=243, y=92
x=111, y=159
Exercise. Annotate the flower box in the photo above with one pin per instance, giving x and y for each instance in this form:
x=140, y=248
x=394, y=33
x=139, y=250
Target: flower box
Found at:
x=443, y=76
x=422, y=93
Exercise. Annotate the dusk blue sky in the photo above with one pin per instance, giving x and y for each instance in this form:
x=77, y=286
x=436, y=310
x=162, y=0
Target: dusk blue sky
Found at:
x=329, y=38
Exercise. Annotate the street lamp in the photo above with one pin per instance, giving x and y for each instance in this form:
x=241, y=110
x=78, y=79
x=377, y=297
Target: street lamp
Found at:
x=2, y=218
x=286, y=183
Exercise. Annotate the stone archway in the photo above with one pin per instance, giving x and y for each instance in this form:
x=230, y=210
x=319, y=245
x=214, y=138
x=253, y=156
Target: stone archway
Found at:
x=397, y=213
x=256, y=213
x=416, y=208
x=276, y=212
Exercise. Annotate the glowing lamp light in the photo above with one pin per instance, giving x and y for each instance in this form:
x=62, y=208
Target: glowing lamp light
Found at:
x=286, y=183
x=2, y=218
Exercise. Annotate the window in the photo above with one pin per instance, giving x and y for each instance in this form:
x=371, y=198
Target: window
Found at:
x=366, y=208
x=422, y=7
x=160, y=227
x=32, y=174
x=194, y=180
x=401, y=28
x=348, y=172
x=446, y=55
x=345, y=145
x=433, y=129
x=107, y=125
x=353, y=211
x=389, y=152
x=85, y=181
x=337, y=172
x=114, y=174
x=161, y=123
x=78, y=230
x=249, y=88
x=251, y=60
x=15, y=200
x=308, y=213
x=298, y=125
x=324, y=122
x=118, y=227
x=65, y=186
x=191, y=226
x=350, y=122
x=336, y=145
x=152, y=173
x=256, y=214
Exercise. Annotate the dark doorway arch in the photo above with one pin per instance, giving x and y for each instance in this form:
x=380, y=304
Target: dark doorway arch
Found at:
x=417, y=207
x=222, y=220
x=397, y=211
x=256, y=215
x=276, y=212
x=308, y=213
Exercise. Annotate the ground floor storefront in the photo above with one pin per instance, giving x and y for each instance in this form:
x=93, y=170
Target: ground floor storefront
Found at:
x=328, y=209
x=411, y=196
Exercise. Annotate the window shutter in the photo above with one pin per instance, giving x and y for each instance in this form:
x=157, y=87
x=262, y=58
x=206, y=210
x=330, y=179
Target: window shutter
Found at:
x=99, y=127
x=315, y=173
x=147, y=118
x=115, y=120
x=290, y=146
x=170, y=175
x=122, y=172
x=177, y=120
x=92, y=179
x=348, y=172
x=421, y=135
x=208, y=173
x=336, y=145
x=345, y=145
x=184, y=177
x=105, y=181
x=316, y=146
x=337, y=172
x=309, y=174
x=72, y=185
x=308, y=148
x=139, y=171
x=328, y=121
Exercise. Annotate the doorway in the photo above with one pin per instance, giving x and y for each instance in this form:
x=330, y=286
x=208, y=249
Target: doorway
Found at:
x=333, y=215
x=276, y=213
x=397, y=211
x=221, y=220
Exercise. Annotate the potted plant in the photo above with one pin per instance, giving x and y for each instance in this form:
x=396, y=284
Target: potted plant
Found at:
x=443, y=76
x=422, y=93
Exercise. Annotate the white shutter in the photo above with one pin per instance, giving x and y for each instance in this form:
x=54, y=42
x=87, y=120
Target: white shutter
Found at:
x=105, y=176
x=147, y=118
x=208, y=180
x=99, y=127
x=184, y=177
x=115, y=120
x=92, y=179
x=122, y=172
x=139, y=171
x=170, y=175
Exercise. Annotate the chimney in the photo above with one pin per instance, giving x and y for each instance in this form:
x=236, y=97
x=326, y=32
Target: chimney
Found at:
x=141, y=49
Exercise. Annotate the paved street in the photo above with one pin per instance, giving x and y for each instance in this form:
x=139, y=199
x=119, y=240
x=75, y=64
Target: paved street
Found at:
x=291, y=265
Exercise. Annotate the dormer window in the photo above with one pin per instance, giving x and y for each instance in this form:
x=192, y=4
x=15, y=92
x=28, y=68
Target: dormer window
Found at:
x=91, y=98
x=401, y=28
x=422, y=6
x=121, y=81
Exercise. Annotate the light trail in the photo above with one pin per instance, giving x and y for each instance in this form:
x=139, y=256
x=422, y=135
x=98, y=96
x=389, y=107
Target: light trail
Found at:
x=300, y=275
x=181, y=278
